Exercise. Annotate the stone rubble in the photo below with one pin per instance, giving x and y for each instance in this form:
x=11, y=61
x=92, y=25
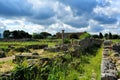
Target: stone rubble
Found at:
x=108, y=67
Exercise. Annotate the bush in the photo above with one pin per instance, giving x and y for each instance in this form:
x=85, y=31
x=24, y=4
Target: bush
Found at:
x=24, y=71
x=85, y=35
x=42, y=46
x=21, y=49
x=66, y=41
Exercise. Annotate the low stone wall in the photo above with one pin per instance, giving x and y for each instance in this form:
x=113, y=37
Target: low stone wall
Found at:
x=108, y=66
x=22, y=57
x=88, y=43
x=116, y=47
x=42, y=46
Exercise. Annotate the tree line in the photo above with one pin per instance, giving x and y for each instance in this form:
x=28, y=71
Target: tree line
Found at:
x=20, y=34
x=106, y=36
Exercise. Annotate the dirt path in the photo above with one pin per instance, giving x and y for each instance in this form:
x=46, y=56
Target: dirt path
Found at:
x=7, y=58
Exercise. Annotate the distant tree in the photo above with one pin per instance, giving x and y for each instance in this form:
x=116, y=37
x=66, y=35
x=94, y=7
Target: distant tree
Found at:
x=37, y=36
x=100, y=35
x=106, y=36
x=16, y=34
x=6, y=34
x=74, y=36
x=95, y=36
x=23, y=34
x=54, y=36
x=45, y=34
x=110, y=35
x=119, y=36
x=115, y=36
x=84, y=35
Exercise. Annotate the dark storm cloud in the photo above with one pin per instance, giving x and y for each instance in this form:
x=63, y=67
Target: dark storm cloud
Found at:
x=79, y=15
x=105, y=19
x=14, y=8
x=22, y=8
x=81, y=5
x=43, y=13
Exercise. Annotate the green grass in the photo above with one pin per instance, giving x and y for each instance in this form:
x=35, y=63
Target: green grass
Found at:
x=66, y=68
x=84, y=35
x=93, y=69
x=21, y=44
x=84, y=68
x=115, y=40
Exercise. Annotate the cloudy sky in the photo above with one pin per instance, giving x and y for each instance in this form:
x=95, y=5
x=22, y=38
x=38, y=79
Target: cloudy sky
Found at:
x=52, y=16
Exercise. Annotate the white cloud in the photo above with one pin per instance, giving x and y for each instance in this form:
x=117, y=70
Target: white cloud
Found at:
x=110, y=10
x=57, y=27
x=71, y=17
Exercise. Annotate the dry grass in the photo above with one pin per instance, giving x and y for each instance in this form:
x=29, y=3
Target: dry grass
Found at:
x=6, y=66
x=39, y=51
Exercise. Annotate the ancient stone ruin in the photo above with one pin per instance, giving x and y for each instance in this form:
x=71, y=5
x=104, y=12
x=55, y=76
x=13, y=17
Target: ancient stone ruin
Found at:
x=110, y=62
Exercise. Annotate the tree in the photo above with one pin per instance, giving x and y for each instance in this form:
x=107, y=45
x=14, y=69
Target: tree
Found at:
x=100, y=35
x=85, y=35
x=37, y=36
x=6, y=34
x=115, y=36
x=16, y=34
x=106, y=36
x=95, y=36
x=110, y=35
x=45, y=34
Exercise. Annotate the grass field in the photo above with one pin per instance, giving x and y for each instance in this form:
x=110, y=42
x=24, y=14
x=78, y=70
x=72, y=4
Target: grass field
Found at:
x=21, y=44
x=93, y=69
x=116, y=40
x=85, y=67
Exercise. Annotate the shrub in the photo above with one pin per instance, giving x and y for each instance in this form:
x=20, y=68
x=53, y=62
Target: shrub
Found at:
x=21, y=49
x=85, y=35
x=66, y=41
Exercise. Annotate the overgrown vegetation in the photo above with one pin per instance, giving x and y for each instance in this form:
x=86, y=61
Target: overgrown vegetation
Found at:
x=85, y=35
x=17, y=44
x=66, y=67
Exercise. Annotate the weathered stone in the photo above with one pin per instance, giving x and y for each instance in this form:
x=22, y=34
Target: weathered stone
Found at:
x=64, y=48
x=53, y=49
x=116, y=47
x=35, y=54
x=22, y=57
x=2, y=54
x=116, y=55
x=108, y=66
x=42, y=46
x=107, y=76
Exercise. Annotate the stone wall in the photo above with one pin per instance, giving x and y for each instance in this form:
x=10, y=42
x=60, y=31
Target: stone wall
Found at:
x=88, y=43
x=108, y=66
x=116, y=47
